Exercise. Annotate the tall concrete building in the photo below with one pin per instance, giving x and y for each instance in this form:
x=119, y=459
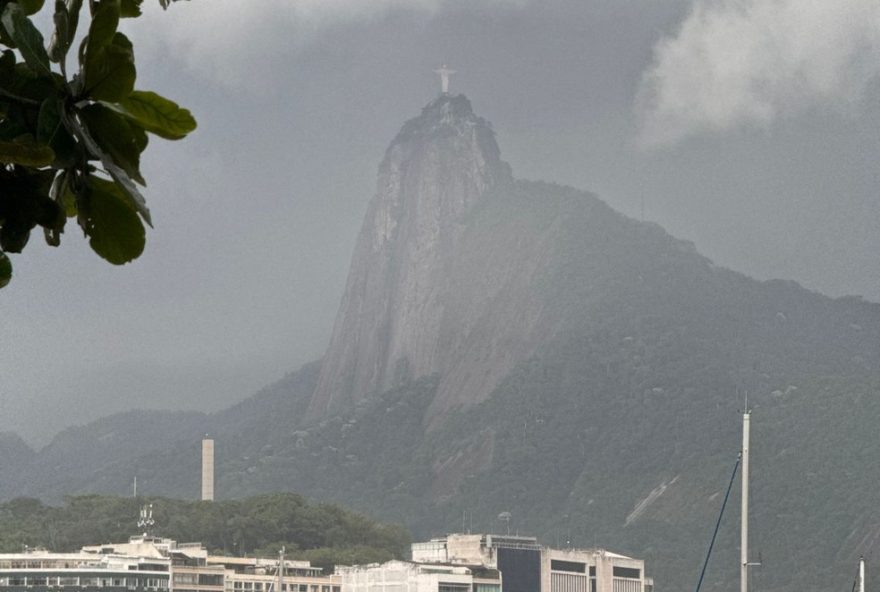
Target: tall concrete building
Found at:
x=207, y=470
x=527, y=566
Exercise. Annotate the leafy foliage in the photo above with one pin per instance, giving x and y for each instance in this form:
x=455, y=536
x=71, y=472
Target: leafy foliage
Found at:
x=323, y=533
x=70, y=145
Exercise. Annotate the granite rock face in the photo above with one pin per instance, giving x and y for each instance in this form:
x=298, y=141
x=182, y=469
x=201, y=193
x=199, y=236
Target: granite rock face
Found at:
x=394, y=323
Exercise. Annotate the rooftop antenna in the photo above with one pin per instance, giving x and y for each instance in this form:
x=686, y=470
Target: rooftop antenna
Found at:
x=146, y=521
x=505, y=516
x=279, y=585
x=134, y=487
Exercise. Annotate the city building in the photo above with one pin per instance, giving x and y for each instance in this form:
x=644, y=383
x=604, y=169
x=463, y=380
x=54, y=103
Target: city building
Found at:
x=38, y=570
x=408, y=576
x=252, y=574
x=153, y=564
x=187, y=562
x=527, y=566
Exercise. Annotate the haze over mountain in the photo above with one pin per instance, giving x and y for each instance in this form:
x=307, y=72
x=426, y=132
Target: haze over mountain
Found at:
x=257, y=214
x=511, y=345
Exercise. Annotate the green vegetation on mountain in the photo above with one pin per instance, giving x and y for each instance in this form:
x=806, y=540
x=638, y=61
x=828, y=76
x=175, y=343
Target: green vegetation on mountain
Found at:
x=323, y=533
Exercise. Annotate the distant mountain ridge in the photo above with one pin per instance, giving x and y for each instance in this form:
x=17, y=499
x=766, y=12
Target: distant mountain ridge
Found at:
x=509, y=345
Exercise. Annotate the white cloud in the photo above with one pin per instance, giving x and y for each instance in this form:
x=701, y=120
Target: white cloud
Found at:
x=748, y=62
x=236, y=42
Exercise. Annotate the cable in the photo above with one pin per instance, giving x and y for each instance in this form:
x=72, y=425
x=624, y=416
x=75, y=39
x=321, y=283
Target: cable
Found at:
x=718, y=523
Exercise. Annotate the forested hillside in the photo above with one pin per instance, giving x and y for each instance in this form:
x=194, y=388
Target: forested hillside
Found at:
x=322, y=533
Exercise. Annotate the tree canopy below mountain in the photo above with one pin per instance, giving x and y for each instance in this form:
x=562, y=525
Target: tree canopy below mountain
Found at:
x=325, y=534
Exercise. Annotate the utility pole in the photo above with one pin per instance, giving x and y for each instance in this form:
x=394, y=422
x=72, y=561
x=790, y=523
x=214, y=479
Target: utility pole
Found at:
x=744, y=517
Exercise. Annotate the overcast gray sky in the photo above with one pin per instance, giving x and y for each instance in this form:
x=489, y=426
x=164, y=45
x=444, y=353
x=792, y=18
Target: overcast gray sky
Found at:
x=751, y=127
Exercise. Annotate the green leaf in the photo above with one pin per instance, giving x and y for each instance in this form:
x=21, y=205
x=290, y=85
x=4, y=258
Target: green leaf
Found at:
x=130, y=8
x=26, y=37
x=115, y=231
x=156, y=114
x=60, y=41
x=121, y=140
x=54, y=227
x=64, y=195
x=5, y=269
x=110, y=73
x=13, y=126
x=74, y=7
x=26, y=152
x=51, y=131
x=105, y=21
x=7, y=67
x=31, y=6
x=127, y=186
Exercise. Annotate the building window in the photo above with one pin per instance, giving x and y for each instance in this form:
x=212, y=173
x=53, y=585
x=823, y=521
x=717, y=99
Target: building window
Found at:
x=572, y=566
x=210, y=580
x=626, y=585
x=627, y=572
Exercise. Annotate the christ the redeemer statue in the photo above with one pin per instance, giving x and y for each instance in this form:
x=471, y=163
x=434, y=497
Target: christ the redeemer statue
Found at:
x=444, y=73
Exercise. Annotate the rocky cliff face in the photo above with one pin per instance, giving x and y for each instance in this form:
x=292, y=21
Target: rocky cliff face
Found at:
x=390, y=326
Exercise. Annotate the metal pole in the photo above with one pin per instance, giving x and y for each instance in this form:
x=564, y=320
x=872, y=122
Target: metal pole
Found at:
x=744, y=534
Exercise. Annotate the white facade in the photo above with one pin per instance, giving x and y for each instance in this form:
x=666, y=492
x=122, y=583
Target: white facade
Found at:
x=250, y=574
x=592, y=570
x=83, y=572
x=555, y=570
x=469, y=549
x=405, y=576
x=207, y=470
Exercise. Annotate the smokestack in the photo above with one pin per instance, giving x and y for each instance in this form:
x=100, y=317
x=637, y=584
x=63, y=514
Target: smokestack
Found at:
x=207, y=470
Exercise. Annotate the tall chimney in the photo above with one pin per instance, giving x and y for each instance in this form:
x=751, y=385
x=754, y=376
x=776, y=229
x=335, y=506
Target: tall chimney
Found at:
x=207, y=470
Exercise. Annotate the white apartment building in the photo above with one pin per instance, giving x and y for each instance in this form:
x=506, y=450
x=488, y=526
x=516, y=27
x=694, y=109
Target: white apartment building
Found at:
x=38, y=570
x=407, y=576
x=253, y=574
x=527, y=566
x=154, y=564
